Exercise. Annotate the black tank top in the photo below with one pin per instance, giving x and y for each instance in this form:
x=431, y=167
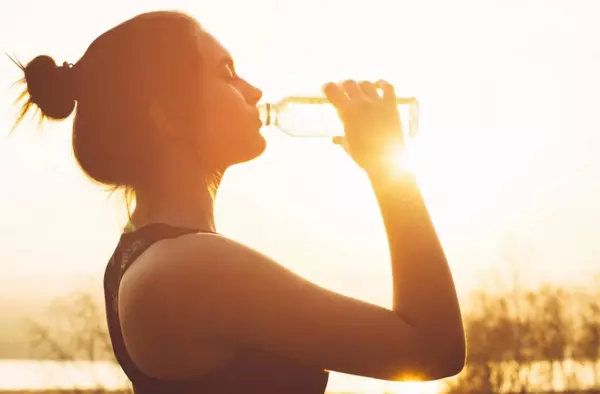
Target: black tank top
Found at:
x=252, y=371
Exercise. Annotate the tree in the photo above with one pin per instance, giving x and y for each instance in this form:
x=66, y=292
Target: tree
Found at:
x=587, y=342
x=76, y=334
x=520, y=341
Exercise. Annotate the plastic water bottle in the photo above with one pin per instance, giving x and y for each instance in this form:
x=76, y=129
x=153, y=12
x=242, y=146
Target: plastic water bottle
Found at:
x=302, y=116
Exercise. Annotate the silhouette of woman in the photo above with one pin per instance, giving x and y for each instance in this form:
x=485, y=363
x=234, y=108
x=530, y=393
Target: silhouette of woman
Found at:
x=162, y=113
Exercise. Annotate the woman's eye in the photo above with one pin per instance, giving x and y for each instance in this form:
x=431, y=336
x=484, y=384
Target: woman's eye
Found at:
x=229, y=73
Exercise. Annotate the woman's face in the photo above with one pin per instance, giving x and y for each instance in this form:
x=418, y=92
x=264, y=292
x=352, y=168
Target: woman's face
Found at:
x=228, y=115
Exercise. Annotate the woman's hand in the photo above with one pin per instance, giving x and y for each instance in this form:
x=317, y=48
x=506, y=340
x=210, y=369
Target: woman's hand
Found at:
x=373, y=131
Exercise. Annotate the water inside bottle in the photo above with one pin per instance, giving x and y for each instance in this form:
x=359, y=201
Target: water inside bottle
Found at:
x=316, y=117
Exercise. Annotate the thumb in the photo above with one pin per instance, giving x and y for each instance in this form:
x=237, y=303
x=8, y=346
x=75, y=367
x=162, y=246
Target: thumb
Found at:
x=338, y=140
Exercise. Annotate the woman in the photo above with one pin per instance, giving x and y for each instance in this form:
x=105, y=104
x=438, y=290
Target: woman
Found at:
x=162, y=112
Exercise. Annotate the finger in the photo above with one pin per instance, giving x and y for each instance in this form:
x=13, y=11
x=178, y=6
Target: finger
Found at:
x=335, y=95
x=338, y=140
x=389, y=93
x=369, y=90
x=352, y=89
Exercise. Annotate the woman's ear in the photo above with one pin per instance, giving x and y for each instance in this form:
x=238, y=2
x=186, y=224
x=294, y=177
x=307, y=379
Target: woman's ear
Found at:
x=162, y=119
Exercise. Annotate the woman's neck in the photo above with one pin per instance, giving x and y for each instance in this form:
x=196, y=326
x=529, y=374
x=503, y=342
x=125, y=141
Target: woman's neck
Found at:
x=177, y=202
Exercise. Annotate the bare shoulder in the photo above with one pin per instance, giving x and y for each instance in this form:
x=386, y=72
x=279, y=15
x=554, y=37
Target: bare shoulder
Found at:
x=204, y=256
x=161, y=352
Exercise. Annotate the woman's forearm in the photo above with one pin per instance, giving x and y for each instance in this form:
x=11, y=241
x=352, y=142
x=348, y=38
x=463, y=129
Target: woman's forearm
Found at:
x=424, y=292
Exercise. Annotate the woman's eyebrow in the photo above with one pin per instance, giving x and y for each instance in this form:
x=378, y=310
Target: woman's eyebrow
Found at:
x=225, y=61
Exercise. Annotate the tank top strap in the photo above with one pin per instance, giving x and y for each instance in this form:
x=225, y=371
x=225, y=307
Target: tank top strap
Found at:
x=133, y=244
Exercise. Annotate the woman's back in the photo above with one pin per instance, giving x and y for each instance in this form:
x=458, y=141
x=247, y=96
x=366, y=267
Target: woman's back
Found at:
x=248, y=371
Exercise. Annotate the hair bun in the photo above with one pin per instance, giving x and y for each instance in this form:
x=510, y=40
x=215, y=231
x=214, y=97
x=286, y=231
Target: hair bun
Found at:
x=50, y=87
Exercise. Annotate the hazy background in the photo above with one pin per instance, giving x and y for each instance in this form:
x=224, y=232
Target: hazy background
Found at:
x=507, y=153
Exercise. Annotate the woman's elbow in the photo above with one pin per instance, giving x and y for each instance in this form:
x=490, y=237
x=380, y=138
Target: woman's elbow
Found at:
x=450, y=360
x=436, y=356
x=452, y=365
x=443, y=359
x=432, y=363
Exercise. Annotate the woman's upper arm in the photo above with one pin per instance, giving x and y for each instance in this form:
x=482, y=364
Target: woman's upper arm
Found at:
x=210, y=285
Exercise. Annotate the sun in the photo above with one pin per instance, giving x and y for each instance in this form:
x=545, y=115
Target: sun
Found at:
x=400, y=160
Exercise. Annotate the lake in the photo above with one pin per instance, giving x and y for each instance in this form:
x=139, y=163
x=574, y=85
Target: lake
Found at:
x=58, y=375
x=16, y=375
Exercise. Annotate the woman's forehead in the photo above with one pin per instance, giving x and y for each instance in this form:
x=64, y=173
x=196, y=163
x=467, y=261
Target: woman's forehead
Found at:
x=212, y=51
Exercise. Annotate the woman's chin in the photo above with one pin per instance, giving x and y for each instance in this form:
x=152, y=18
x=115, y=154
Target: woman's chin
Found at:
x=250, y=149
x=257, y=147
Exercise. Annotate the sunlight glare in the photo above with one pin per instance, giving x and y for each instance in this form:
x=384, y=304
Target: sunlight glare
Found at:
x=413, y=388
x=401, y=160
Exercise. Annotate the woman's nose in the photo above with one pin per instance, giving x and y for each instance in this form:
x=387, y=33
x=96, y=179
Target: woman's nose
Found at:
x=253, y=94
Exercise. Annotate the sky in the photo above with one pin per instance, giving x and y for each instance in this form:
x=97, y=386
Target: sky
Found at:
x=506, y=154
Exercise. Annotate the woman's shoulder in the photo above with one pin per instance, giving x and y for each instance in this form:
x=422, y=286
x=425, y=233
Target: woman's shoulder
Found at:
x=197, y=246
x=192, y=253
